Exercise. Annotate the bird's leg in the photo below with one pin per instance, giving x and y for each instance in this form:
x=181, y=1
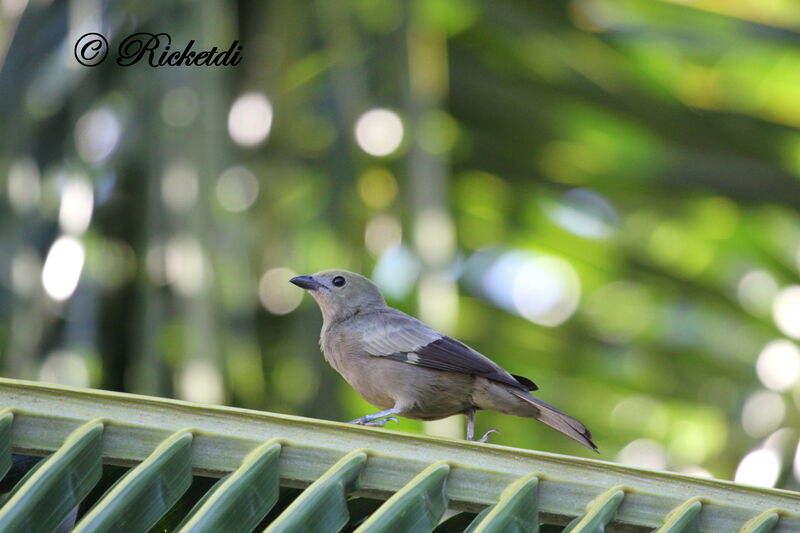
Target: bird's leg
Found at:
x=471, y=426
x=372, y=419
x=470, y=423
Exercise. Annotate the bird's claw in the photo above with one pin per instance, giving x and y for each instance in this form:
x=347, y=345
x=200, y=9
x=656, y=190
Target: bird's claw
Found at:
x=381, y=423
x=376, y=423
x=485, y=437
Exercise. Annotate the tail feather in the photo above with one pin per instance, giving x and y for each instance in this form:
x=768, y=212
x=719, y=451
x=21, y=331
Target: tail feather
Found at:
x=558, y=420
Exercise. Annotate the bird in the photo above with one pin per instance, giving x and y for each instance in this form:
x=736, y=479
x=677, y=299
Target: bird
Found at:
x=408, y=369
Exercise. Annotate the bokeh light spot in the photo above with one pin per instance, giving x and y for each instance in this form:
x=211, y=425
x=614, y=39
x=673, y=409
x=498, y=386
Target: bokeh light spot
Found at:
x=237, y=189
x=111, y=262
x=277, y=295
x=438, y=300
x=434, y=236
x=544, y=289
x=547, y=291
x=250, y=119
x=584, y=213
x=796, y=465
x=62, y=268
x=379, y=132
x=396, y=271
x=763, y=413
x=66, y=367
x=641, y=415
x=786, y=311
x=688, y=443
x=26, y=268
x=179, y=187
x=77, y=204
x=13, y=8
x=200, y=381
x=24, y=185
x=156, y=263
x=756, y=291
x=438, y=132
x=377, y=187
x=760, y=468
x=97, y=134
x=185, y=265
x=382, y=232
x=179, y=106
x=778, y=365
x=644, y=453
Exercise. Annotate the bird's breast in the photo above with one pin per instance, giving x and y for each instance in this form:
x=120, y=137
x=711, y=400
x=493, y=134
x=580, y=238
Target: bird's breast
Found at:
x=361, y=371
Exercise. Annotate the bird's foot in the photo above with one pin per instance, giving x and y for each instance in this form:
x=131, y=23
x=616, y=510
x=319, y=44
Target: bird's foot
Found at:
x=367, y=421
x=485, y=437
x=381, y=423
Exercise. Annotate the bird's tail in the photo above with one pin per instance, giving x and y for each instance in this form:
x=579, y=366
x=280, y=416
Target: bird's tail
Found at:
x=558, y=420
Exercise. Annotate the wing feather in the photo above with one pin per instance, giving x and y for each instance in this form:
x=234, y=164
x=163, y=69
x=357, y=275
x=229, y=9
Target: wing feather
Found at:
x=398, y=336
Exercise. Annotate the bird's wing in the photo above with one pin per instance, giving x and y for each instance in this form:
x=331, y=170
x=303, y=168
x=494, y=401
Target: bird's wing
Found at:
x=398, y=336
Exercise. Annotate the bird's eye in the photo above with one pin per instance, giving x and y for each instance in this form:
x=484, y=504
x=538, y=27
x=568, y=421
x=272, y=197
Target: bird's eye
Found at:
x=339, y=281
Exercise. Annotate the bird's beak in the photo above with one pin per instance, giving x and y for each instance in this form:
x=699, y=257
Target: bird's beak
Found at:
x=305, y=282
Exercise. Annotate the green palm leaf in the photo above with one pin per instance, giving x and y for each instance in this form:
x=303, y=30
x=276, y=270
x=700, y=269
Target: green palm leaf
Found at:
x=417, y=476
x=43, y=499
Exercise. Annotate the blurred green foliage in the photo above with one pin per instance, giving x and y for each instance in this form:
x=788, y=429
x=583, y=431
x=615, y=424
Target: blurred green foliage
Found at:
x=599, y=194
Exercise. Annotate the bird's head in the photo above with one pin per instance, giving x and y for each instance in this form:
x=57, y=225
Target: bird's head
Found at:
x=341, y=294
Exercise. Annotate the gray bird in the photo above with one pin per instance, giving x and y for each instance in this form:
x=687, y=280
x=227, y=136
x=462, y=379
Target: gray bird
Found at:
x=406, y=368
